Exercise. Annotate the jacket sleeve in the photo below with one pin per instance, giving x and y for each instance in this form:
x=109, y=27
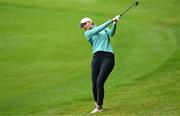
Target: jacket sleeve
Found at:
x=111, y=31
x=96, y=30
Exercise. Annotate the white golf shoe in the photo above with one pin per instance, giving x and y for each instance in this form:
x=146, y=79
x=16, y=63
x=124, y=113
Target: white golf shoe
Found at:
x=96, y=110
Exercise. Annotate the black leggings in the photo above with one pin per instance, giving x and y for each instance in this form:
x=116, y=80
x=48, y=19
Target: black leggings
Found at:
x=102, y=65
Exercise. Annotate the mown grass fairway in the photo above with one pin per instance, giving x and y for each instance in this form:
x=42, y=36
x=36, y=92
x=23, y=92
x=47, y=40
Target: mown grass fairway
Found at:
x=45, y=58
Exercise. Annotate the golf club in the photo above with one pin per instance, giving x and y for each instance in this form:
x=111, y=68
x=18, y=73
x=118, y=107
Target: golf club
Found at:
x=135, y=3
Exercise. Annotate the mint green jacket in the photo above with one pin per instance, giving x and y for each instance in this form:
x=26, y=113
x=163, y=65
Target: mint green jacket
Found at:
x=99, y=36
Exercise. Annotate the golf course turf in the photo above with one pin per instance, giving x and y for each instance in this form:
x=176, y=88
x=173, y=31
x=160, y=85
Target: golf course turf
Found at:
x=45, y=58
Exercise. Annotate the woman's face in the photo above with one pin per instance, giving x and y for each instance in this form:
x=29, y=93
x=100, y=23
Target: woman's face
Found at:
x=88, y=25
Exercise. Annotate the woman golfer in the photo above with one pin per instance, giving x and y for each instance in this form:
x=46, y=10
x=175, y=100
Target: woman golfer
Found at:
x=103, y=56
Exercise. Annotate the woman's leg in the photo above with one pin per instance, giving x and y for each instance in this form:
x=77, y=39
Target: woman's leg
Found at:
x=95, y=68
x=106, y=68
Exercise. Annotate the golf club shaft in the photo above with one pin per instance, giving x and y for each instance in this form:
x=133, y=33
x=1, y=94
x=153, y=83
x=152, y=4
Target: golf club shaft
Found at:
x=129, y=8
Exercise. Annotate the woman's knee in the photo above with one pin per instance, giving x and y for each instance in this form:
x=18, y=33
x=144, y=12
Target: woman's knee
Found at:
x=100, y=84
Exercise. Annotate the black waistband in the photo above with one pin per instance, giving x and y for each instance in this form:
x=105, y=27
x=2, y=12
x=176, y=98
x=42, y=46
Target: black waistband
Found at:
x=102, y=53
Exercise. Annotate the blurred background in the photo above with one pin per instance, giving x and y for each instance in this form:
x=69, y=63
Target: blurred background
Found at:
x=45, y=58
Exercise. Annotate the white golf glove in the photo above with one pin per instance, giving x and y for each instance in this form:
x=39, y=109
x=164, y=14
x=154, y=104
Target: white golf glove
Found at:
x=116, y=18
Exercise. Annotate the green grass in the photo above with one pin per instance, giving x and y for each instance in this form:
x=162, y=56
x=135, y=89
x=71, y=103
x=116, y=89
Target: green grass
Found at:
x=45, y=59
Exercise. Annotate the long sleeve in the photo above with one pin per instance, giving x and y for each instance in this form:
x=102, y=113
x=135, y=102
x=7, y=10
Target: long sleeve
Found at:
x=111, y=31
x=90, y=33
